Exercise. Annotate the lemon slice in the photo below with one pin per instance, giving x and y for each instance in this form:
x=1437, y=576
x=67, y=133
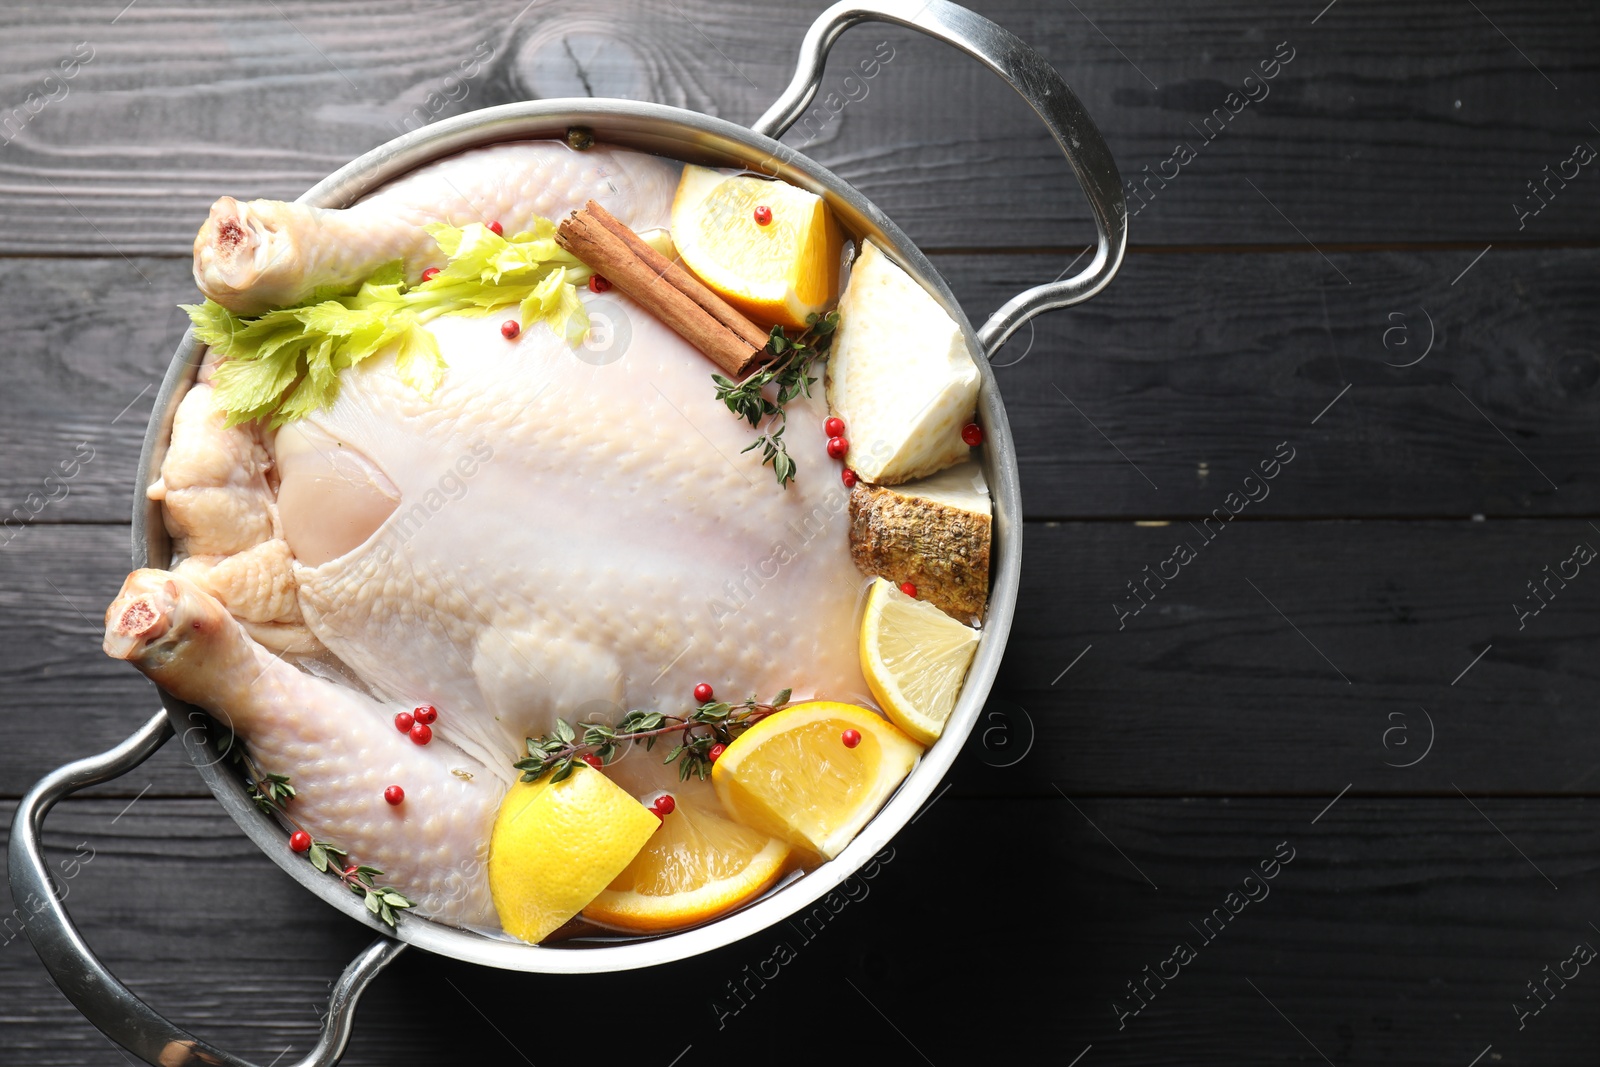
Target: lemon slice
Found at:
x=697, y=866
x=792, y=775
x=777, y=273
x=914, y=657
x=558, y=844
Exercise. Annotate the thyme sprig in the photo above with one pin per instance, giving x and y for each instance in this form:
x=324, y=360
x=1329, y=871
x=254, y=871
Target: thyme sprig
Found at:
x=715, y=722
x=789, y=373
x=272, y=794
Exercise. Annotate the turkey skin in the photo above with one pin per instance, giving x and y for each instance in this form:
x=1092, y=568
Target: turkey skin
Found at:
x=557, y=532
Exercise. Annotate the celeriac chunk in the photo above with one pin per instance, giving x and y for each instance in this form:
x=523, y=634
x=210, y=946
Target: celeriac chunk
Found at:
x=901, y=376
x=933, y=533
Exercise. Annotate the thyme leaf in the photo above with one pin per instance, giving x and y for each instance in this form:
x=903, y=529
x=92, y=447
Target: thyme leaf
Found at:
x=762, y=399
x=714, y=722
x=272, y=794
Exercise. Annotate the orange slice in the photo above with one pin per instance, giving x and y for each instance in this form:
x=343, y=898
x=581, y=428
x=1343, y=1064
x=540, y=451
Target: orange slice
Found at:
x=793, y=776
x=697, y=866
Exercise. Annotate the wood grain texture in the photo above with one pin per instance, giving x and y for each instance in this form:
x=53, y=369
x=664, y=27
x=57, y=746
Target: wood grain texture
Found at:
x=1399, y=932
x=1207, y=690
x=1146, y=378
x=1476, y=396
x=1393, y=122
x=1298, y=658
x=87, y=342
x=1342, y=669
x=57, y=583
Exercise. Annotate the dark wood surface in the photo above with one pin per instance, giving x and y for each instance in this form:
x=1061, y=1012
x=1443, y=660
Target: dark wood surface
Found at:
x=1132, y=769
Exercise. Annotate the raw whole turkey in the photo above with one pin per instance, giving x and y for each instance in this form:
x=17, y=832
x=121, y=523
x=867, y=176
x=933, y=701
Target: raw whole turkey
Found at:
x=554, y=532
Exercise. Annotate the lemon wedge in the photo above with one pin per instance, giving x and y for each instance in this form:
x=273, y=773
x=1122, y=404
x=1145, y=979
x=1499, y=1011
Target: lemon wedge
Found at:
x=556, y=845
x=699, y=865
x=779, y=272
x=915, y=658
x=794, y=776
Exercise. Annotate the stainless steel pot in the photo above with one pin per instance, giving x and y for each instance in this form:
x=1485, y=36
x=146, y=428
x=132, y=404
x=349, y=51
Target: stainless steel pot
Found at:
x=682, y=135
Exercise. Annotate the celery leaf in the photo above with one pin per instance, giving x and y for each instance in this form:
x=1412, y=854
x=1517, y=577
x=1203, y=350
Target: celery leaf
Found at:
x=285, y=364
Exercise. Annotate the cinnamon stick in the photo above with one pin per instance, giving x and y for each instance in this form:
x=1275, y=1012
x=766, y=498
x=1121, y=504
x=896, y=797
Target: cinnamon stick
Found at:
x=585, y=236
x=682, y=280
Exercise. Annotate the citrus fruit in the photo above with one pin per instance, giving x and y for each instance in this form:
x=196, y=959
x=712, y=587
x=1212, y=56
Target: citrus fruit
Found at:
x=779, y=272
x=699, y=865
x=914, y=657
x=557, y=844
x=795, y=776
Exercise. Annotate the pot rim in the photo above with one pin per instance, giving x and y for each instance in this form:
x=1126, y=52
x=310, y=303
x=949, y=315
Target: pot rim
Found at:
x=677, y=134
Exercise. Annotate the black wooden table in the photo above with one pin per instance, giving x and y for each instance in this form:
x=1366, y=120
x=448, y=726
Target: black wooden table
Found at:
x=1317, y=789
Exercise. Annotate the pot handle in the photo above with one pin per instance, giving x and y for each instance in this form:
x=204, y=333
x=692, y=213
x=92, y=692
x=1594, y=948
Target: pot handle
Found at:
x=104, y=1001
x=1037, y=82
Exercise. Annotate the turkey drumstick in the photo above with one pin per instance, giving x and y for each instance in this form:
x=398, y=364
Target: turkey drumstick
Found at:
x=252, y=256
x=338, y=746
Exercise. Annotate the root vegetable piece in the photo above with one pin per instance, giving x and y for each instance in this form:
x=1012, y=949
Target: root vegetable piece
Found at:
x=933, y=533
x=900, y=375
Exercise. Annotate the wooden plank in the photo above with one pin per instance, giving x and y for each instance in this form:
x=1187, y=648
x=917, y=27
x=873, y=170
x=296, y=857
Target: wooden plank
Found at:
x=1298, y=657
x=1469, y=396
x=1194, y=407
x=55, y=584
x=1428, y=102
x=88, y=341
x=1207, y=690
x=1397, y=932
